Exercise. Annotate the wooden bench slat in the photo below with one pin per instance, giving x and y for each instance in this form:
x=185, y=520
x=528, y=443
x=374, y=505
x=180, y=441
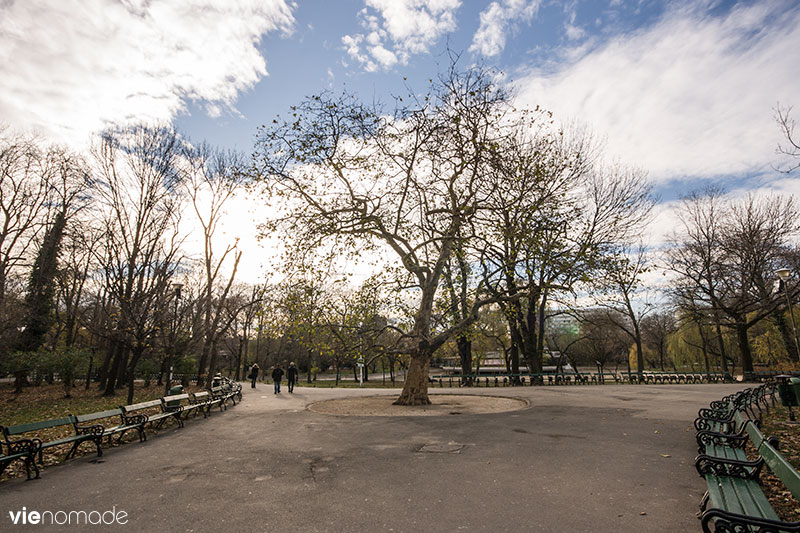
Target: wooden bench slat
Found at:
x=35, y=426
x=753, y=500
x=99, y=415
x=142, y=405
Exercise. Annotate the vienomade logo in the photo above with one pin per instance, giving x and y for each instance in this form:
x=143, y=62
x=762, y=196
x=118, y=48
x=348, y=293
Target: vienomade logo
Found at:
x=25, y=517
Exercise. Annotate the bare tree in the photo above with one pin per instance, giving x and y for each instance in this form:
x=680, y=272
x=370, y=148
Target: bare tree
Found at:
x=139, y=174
x=726, y=258
x=621, y=295
x=695, y=256
x=213, y=180
x=552, y=216
x=791, y=149
x=656, y=330
x=600, y=341
x=409, y=179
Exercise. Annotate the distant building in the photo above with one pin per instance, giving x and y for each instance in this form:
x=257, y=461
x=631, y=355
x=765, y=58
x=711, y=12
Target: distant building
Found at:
x=562, y=321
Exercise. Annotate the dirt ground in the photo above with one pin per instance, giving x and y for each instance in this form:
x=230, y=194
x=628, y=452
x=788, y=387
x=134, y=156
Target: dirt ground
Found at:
x=442, y=405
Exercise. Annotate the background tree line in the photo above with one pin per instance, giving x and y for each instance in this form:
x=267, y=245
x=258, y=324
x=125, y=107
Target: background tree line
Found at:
x=486, y=220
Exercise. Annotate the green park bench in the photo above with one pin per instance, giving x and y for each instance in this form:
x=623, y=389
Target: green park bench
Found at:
x=221, y=395
x=182, y=403
x=137, y=413
x=204, y=402
x=108, y=430
x=719, y=416
x=734, y=500
x=75, y=440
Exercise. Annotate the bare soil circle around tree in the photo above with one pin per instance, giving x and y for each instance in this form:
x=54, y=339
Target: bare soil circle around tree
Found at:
x=441, y=405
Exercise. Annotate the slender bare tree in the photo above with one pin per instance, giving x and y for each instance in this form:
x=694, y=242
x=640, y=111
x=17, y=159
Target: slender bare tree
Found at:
x=213, y=180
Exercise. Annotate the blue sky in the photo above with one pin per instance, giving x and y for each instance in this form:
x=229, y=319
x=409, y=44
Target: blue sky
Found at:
x=685, y=90
x=313, y=56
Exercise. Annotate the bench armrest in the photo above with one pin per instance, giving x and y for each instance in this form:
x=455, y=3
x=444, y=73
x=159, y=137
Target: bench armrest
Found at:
x=134, y=420
x=705, y=464
x=95, y=429
x=712, y=438
x=714, y=413
x=727, y=521
x=707, y=424
x=23, y=446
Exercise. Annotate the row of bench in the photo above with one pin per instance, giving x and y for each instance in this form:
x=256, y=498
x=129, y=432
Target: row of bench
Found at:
x=18, y=444
x=734, y=501
x=504, y=380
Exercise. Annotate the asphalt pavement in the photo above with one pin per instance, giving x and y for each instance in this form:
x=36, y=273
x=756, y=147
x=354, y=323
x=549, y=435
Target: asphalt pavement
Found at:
x=579, y=458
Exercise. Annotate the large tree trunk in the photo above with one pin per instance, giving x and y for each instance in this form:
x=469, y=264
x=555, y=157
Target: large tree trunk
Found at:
x=136, y=355
x=212, y=365
x=744, y=348
x=201, y=366
x=788, y=340
x=465, y=354
x=102, y=372
x=516, y=344
x=415, y=389
x=639, y=353
x=721, y=341
x=113, y=374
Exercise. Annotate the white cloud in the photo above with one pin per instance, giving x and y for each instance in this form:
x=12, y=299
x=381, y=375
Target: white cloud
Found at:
x=497, y=21
x=398, y=28
x=574, y=32
x=691, y=95
x=70, y=68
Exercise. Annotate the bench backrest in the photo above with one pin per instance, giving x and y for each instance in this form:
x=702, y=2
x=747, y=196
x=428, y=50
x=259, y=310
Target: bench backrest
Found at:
x=741, y=421
x=97, y=416
x=36, y=426
x=175, y=398
x=201, y=396
x=780, y=467
x=141, y=405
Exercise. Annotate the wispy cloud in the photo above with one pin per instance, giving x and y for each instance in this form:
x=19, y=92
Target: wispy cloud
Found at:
x=499, y=20
x=68, y=69
x=396, y=29
x=691, y=95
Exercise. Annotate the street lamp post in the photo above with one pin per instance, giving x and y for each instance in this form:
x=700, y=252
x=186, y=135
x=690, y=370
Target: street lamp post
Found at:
x=174, y=334
x=783, y=274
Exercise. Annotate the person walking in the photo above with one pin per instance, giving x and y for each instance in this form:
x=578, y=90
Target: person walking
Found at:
x=253, y=375
x=277, y=374
x=291, y=376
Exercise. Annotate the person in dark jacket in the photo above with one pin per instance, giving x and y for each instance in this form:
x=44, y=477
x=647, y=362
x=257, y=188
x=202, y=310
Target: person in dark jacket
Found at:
x=277, y=375
x=291, y=376
x=253, y=375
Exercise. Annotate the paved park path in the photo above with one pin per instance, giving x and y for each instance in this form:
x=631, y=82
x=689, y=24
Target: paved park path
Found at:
x=580, y=458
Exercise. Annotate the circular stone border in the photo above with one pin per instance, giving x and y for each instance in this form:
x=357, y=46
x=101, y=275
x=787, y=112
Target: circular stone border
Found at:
x=442, y=405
